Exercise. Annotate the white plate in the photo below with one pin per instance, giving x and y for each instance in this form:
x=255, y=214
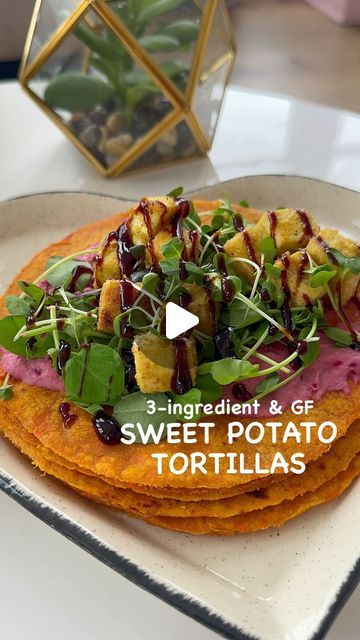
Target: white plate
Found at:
x=274, y=585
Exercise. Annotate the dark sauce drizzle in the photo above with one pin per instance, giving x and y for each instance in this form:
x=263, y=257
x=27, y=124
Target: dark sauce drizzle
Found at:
x=239, y=226
x=87, y=348
x=126, y=294
x=326, y=248
x=181, y=381
x=273, y=223
x=106, y=428
x=227, y=287
x=304, y=218
x=210, y=300
x=304, y=262
x=285, y=310
x=240, y=392
x=76, y=274
x=67, y=417
x=63, y=356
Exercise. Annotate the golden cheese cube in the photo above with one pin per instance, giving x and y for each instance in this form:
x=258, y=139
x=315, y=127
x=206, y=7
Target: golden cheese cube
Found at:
x=206, y=309
x=318, y=248
x=296, y=280
x=109, y=305
x=155, y=359
x=106, y=265
x=164, y=236
x=290, y=228
x=160, y=211
x=244, y=245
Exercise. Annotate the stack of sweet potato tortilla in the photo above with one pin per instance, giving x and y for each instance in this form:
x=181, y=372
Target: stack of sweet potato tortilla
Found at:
x=125, y=477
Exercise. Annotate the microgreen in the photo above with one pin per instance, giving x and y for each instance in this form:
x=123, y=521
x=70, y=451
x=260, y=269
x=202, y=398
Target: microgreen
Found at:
x=321, y=275
x=135, y=409
x=351, y=264
x=268, y=383
x=176, y=193
x=342, y=338
x=6, y=392
x=95, y=375
x=60, y=272
x=268, y=250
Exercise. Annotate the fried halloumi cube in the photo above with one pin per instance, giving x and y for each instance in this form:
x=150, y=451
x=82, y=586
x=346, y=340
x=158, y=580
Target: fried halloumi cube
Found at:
x=291, y=230
x=159, y=212
x=148, y=220
x=296, y=280
x=106, y=265
x=191, y=242
x=245, y=246
x=319, y=250
x=155, y=362
x=204, y=307
x=114, y=295
x=109, y=305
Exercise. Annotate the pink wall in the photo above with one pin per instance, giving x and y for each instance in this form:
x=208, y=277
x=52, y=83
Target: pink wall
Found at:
x=344, y=11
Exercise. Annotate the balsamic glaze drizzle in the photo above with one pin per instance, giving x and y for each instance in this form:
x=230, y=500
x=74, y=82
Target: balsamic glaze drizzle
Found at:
x=106, y=428
x=67, y=417
x=181, y=381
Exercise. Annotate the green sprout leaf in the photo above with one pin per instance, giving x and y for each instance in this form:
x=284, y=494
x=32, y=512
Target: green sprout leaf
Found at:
x=62, y=274
x=134, y=408
x=322, y=275
x=268, y=383
x=230, y=369
x=10, y=326
x=342, y=338
x=209, y=388
x=6, y=393
x=268, y=249
x=272, y=271
x=35, y=293
x=351, y=264
x=173, y=248
x=185, y=31
x=17, y=306
x=176, y=193
x=95, y=375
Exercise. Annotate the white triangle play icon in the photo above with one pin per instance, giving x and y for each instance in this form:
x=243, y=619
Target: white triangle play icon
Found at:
x=178, y=320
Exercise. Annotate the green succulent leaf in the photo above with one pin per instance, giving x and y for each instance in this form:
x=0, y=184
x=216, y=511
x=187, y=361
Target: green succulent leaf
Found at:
x=74, y=91
x=185, y=31
x=159, y=43
x=157, y=8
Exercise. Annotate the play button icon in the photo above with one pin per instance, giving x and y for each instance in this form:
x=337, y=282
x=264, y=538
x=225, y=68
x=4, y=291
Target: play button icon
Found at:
x=178, y=320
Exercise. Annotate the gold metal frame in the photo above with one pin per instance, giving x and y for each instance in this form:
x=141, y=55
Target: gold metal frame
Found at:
x=182, y=103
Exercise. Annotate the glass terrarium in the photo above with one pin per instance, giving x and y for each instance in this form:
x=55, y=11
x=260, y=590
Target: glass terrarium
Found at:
x=132, y=83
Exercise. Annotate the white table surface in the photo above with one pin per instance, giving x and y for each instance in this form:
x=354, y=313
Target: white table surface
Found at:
x=48, y=586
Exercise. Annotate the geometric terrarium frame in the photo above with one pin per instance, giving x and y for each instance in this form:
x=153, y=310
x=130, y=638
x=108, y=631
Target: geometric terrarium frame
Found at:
x=132, y=83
